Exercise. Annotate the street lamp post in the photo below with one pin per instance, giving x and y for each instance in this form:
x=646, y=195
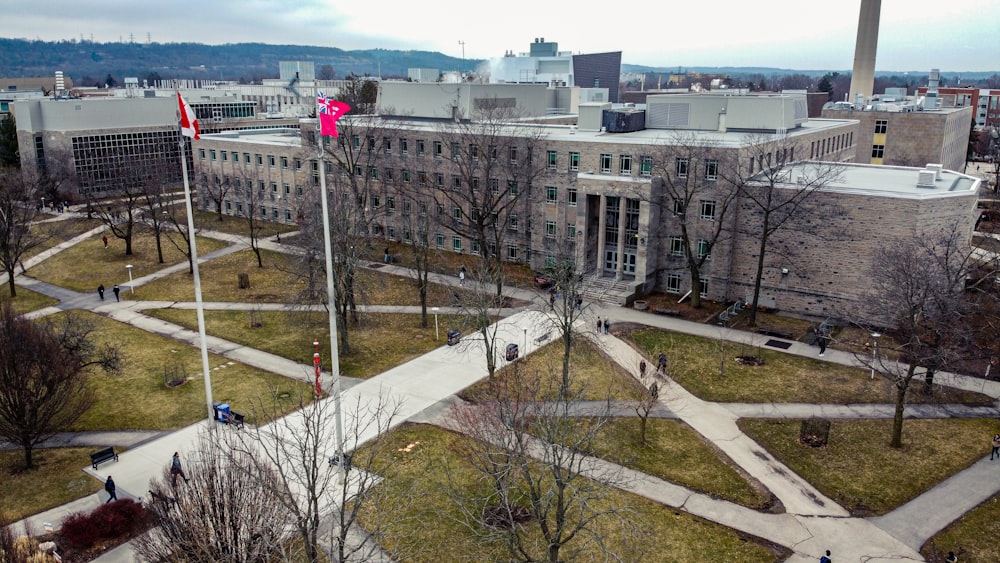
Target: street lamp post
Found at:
x=43, y=205
x=437, y=336
x=525, y=329
x=131, y=286
x=875, y=337
x=316, y=363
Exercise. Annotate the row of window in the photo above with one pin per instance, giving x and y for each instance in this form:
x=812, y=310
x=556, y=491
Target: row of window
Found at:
x=677, y=248
x=258, y=159
x=818, y=149
x=674, y=284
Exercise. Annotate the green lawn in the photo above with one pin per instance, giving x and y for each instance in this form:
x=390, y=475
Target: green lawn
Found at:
x=418, y=472
x=86, y=265
x=380, y=342
x=973, y=536
x=56, y=479
x=26, y=300
x=707, y=368
x=859, y=470
x=237, y=225
x=139, y=399
x=55, y=232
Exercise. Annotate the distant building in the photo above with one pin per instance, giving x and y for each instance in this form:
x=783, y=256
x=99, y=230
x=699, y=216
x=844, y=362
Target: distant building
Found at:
x=545, y=64
x=985, y=101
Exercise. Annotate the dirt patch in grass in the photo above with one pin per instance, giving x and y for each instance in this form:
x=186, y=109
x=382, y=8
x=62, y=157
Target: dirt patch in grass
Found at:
x=379, y=341
x=972, y=537
x=85, y=266
x=664, y=534
x=858, y=469
x=666, y=301
x=139, y=398
x=707, y=368
x=56, y=479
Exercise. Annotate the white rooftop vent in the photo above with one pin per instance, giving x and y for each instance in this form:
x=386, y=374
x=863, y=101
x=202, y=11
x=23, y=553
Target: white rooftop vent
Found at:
x=925, y=179
x=936, y=168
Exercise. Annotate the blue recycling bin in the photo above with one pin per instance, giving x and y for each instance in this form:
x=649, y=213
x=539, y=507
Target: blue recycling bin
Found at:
x=512, y=352
x=222, y=412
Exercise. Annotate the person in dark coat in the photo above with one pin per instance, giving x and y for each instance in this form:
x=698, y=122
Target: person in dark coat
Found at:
x=117, y=290
x=100, y=291
x=607, y=326
x=105, y=241
x=175, y=469
x=109, y=486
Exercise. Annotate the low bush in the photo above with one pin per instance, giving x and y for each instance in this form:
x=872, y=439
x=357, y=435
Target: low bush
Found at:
x=108, y=521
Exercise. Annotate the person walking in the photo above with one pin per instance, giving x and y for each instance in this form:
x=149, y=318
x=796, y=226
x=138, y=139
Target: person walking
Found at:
x=826, y=558
x=823, y=341
x=661, y=363
x=461, y=276
x=599, y=325
x=100, y=291
x=607, y=326
x=117, y=291
x=642, y=369
x=996, y=447
x=109, y=486
x=175, y=469
x=579, y=303
x=104, y=239
x=386, y=255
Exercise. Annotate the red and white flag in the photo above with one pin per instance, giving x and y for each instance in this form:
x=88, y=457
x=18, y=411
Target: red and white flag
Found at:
x=329, y=112
x=189, y=123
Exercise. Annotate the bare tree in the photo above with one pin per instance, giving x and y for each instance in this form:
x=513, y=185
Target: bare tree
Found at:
x=312, y=483
x=546, y=500
x=918, y=295
x=43, y=384
x=695, y=205
x=120, y=210
x=219, y=515
x=18, y=209
x=177, y=232
x=645, y=406
x=251, y=208
x=217, y=188
x=775, y=199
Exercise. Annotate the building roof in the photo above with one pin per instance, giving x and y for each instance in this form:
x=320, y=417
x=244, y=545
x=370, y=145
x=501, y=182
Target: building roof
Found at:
x=271, y=137
x=887, y=181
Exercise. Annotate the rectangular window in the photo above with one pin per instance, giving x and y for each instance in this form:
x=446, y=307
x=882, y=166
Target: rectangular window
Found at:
x=625, y=165
x=571, y=197
x=513, y=221
x=386, y=145
x=456, y=244
x=606, y=163
x=211, y=154
x=439, y=179
x=201, y=154
x=676, y=246
x=704, y=287
x=376, y=202
x=512, y=188
x=512, y=153
x=456, y=214
x=880, y=126
x=260, y=159
x=388, y=174
x=551, y=195
x=288, y=215
x=646, y=166
x=404, y=146
x=438, y=149
x=390, y=205
x=711, y=169
x=455, y=153
x=681, y=167
x=287, y=189
x=550, y=229
x=570, y=231
x=678, y=207
x=439, y=240
x=494, y=186
x=878, y=151
x=406, y=208
x=373, y=172
x=474, y=247
x=246, y=158
x=406, y=175
x=284, y=162
x=298, y=164
x=704, y=250
x=551, y=160
x=421, y=147
x=356, y=141
x=421, y=176
x=474, y=152
x=390, y=232
x=225, y=156
x=673, y=283
x=512, y=252
x=574, y=161
x=707, y=209
x=371, y=143
x=271, y=160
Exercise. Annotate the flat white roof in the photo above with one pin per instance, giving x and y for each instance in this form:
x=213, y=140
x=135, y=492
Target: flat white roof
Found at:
x=274, y=137
x=886, y=181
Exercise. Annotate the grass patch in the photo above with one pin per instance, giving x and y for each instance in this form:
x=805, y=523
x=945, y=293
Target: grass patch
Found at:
x=860, y=472
x=676, y=453
x=666, y=534
x=973, y=536
x=237, y=225
x=86, y=265
x=378, y=343
x=696, y=363
x=139, y=399
x=26, y=300
x=56, y=232
x=56, y=479
x=592, y=374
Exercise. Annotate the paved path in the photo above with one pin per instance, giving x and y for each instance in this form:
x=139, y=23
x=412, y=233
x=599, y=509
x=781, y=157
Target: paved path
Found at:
x=425, y=388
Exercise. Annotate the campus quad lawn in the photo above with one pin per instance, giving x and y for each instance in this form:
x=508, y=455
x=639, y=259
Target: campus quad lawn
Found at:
x=86, y=265
x=26, y=300
x=973, y=536
x=57, y=232
x=381, y=341
x=237, y=225
x=139, y=399
x=56, y=480
x=277, y=282
x=858, y=469
x=429, y=531
x=696, y=362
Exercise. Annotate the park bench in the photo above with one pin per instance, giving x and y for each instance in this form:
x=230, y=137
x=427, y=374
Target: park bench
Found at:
x=667, y=312
x=100, y=456
x=768, y=331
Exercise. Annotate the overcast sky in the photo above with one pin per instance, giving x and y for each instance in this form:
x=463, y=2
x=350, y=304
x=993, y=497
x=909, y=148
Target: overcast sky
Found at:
x=953, y=35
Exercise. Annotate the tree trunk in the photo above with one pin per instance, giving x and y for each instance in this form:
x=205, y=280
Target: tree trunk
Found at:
x=897, y=419
x=29, y=462
x=642, y=428
x=159, y=245
x=929, y=381
x=757, y=278
x=128, y=245
x=10, y=281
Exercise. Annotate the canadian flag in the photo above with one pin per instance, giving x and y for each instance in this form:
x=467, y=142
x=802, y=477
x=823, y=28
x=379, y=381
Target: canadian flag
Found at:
x=189, y=123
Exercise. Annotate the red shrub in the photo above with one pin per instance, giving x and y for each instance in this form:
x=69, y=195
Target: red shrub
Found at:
x=108, y=521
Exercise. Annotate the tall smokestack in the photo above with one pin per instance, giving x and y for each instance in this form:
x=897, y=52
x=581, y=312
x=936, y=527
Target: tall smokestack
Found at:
x=863, y=75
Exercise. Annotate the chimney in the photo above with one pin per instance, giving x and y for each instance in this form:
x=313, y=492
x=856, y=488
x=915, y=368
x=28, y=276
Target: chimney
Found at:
x=863, y=74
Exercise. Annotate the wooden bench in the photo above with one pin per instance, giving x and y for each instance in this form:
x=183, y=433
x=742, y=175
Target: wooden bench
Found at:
x=768, y=331
x=100, y=456
x=667, y=312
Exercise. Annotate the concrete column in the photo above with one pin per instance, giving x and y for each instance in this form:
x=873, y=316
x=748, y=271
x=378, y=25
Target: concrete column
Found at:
x=601, y=224
x=863, y=74
x=619, y=272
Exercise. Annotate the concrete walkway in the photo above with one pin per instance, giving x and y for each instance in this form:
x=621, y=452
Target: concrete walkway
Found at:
x=425, y=388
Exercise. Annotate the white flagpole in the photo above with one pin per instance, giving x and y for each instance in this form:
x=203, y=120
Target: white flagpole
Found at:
x=331, y=293
x=194, y=265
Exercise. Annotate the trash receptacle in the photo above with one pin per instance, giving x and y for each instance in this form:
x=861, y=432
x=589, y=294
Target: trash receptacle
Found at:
x=222, y=412
x=454, y=335
x=512, y=352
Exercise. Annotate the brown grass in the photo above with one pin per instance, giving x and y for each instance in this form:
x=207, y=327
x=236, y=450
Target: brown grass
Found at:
x=57, y=479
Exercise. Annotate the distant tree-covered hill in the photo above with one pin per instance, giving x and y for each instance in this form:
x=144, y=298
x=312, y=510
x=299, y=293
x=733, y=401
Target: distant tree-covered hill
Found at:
x=88, y=62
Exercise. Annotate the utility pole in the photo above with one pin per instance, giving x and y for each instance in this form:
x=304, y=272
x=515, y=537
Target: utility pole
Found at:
x=462, y=43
